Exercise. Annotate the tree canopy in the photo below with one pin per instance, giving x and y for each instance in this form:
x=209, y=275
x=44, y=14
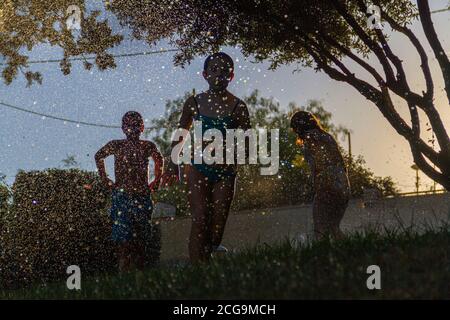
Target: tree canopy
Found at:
x=292, y=183
x=316, y=33
x=25, y=24
x=310, y=33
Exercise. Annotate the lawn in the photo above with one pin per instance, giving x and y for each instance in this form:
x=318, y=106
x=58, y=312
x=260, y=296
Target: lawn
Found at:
x=412, y=266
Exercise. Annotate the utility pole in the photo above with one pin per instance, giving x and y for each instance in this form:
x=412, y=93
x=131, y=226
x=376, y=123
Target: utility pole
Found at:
x=434, y=165
x=415, y=167
x=349, y=138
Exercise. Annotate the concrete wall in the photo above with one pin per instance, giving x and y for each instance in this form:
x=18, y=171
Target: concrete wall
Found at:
x=248, y=228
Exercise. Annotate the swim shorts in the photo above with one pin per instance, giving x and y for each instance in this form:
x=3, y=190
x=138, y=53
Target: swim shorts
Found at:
x=131, y=215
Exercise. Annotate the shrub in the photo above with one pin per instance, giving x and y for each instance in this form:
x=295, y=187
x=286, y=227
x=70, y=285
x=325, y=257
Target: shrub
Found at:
x=293, y=183
x=175, y=195
x=59, y=218
x=4, y=202
x=254, y=191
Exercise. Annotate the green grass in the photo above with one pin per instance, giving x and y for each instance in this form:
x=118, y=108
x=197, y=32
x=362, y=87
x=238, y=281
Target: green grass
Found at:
x=412, y=266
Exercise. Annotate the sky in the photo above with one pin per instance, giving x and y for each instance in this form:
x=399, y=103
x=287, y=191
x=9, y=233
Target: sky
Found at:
x=144, y=84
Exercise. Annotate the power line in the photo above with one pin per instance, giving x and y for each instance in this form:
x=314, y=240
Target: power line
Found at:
x=124, y=55
x=136, y=54
x=78, y=59
x=59, y=118
x=441, y=10
x=85, y=123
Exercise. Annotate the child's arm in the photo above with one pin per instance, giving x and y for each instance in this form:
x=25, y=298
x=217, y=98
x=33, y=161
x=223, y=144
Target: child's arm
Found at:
x=159, y=164
x=243, y=117
x=185, y=122
x=307, y=155
x=101, y=154
x=186, y=119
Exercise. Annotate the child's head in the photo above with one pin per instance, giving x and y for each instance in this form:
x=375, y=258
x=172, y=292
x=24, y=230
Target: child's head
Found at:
x=132, y=124
x=303, y=121
x=218, y=70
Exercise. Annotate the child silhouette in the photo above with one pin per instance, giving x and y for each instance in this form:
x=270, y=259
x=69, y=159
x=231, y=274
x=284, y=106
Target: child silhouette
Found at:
x=211, y=186
x=132, y=206
x=331, y=185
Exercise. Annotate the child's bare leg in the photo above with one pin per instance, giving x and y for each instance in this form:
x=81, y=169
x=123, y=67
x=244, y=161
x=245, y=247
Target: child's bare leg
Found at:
x=222, y=197
x=318, y=219
x=339, y=212
x=138, y=244
x=138, y=259
x=198, y=200
x=328, y=212
x=139, y=255
x=124, y=256
x=198, y=241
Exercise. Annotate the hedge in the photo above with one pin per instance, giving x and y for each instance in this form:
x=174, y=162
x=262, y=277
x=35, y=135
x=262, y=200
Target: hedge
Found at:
x=59, y=218
x=252, y=191
x=4, y=202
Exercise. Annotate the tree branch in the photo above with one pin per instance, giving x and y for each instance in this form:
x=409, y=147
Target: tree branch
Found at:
x=428, y=169
x=428, y=95
x=380, y=98
x=433, y=40
x=354, y=57
x=405, y=92
x=390, y=77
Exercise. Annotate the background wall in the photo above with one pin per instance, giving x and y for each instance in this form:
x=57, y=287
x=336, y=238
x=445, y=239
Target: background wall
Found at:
x=249, y=228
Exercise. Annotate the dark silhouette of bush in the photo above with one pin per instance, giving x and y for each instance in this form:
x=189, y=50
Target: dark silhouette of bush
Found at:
x=293, y=183
x=59, y=218
x=5, y=195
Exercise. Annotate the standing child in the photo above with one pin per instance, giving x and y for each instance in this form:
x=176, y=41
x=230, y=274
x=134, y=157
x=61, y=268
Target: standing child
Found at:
x=211, y=186
x=132, y=206
x=331, y=185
